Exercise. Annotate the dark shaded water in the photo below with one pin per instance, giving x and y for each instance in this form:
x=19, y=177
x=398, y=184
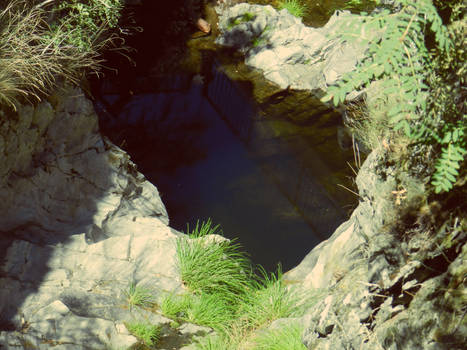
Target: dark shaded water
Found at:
x=218, y=158
x=203, y=170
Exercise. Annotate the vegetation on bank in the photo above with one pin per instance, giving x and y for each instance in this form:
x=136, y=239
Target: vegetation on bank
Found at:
x=224, y=292
x=415, y=68
x=294, y=7
x=149, y=334
x=42, y=42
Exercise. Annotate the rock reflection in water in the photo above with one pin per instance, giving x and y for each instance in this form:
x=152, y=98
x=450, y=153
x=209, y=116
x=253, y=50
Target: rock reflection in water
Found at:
x=203, y=170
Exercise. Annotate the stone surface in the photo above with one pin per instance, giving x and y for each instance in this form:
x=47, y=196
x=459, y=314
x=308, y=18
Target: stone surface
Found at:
x=378, y=292
x=78, y=225
x=289, y=53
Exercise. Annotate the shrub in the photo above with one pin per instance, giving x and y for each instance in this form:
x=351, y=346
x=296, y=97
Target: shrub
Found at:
x=85, y=23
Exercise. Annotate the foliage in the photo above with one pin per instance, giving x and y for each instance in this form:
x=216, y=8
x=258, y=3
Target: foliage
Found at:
x=149, y=334
x=295, y=7
x=399, y=59
x=288, y=338
x=30, y=62
x=446, y=122
x=224, y=293
x=358, y=6
x=85, y=21
x=138, y=296
x=212, y=266
x=35, y=53
x=268, y=301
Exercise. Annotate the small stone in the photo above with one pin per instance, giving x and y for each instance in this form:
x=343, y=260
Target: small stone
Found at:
x=202, y=25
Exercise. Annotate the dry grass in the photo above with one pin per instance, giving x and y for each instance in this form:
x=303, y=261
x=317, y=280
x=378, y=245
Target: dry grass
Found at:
x=33, y=57
x=369, y=122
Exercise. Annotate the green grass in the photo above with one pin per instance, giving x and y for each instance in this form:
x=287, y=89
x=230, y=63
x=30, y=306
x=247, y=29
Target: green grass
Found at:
x=223, y=293
x=295, y=7
x=269, y=301
x=174, y=306
x=258, y=41
x=211, y=310
x=138, y=296
x=212, y=267
x=246, y=17
x=149, y=334
x=288, y=338
x=215, y=342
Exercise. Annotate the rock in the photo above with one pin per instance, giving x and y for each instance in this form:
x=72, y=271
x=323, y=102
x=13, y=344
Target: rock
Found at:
x=376, y=294
x=79, y=224
x=202, y=25
x=289, y=53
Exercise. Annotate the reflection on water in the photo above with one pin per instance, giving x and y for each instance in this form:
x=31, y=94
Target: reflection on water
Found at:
x=266, y=171
x=203, y=170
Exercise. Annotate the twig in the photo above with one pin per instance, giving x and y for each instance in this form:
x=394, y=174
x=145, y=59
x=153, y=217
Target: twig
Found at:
x=348, y=189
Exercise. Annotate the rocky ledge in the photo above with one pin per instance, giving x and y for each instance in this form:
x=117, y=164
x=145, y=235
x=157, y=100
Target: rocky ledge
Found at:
x=79, y=224
x=289, y=53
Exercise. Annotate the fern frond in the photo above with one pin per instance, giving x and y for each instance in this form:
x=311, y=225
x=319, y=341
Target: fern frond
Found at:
x=447, y=167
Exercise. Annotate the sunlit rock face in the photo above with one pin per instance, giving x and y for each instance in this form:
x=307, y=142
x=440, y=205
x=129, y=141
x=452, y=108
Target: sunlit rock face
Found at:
x=378, y=289
x=78, y=225
x=289, y=53
x=58, y=173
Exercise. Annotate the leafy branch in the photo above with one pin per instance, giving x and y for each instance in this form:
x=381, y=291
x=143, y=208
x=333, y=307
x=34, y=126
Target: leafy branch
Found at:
x=398, y=58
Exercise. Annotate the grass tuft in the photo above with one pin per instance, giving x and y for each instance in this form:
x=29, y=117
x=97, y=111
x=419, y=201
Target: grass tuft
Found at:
x=215, y=342
x=34, y=56
x=269, y=301
x=212, y=266
x=138, y=296
x=294, y=7
x=149, y=334
x=288, y=337
x=224, y=293
x=211, y=310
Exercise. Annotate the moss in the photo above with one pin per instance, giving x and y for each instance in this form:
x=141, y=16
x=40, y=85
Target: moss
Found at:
x=246, y=17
